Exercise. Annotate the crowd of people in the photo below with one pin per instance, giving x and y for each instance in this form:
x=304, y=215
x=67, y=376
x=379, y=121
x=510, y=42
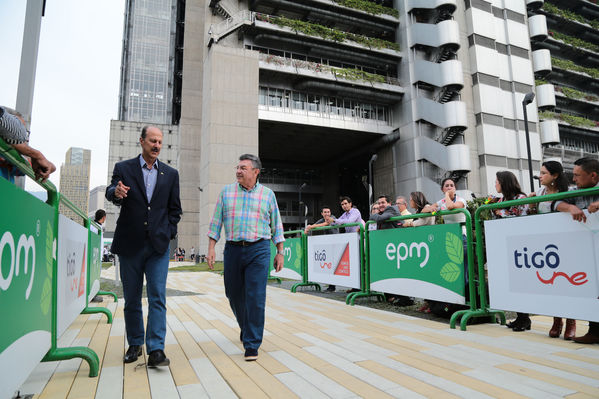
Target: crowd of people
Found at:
x=552, y=180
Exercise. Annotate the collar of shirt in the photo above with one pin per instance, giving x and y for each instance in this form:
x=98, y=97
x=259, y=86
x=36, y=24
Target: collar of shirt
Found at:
x=251, y=190
x=143, y=163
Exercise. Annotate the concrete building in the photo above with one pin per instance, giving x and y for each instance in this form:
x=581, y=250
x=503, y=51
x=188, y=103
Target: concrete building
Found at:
x=150, y=85
x=433, y=88
x=74, y=180
x=96, y=200
x=566, y=64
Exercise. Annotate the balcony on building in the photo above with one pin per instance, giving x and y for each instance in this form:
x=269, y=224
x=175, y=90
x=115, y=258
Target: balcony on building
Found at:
x=534, y=4
x=537, y=27
x=380, y=20
x=334, y=112
x=545, y=96
x=549, y=131
x=541, y=62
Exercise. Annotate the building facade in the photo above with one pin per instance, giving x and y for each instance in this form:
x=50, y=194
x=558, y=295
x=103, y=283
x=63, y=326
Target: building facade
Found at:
x=566, y=65
x=433, y=88
x=96, y=200
x=74, y=180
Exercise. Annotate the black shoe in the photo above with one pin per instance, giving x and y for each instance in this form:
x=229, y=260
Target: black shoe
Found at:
x=241, y=336
x=331, y=288
x=251, y=355
x=521, y=324
x=132, y=354
x=158, y=358
x=403, y=301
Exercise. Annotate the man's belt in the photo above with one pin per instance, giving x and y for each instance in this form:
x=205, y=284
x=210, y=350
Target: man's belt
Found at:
x=244, y=243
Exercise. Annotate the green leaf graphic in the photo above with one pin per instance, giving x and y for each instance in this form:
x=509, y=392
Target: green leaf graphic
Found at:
x=46, y=296
x=450, y=272
x=454, y=248
x=49, y=255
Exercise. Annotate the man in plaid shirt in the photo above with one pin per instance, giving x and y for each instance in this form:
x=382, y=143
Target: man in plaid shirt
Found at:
x=250, y=215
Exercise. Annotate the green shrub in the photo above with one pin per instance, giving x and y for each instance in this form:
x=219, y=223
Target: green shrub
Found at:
x=369, y=7
x=574, y=41
x=335, y=35
x=570, y=119
x=571, y=66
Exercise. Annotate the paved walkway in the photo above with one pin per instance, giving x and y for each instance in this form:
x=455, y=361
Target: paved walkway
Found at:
x=319, y=348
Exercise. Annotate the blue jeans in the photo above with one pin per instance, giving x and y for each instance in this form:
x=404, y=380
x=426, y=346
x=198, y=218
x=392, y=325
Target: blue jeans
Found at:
x=245, y=277
x=155, y=267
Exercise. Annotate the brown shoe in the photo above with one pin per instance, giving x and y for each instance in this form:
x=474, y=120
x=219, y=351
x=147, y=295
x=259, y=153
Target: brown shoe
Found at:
x=588, y=338
x=570, y=329
x=556, y=328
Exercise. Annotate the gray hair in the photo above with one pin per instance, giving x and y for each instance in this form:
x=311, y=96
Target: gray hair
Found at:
x=402, y=199
x=256, y=164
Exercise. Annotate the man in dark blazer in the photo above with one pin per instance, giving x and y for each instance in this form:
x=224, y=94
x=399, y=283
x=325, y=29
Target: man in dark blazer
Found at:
x=148, y=193
x=386, y=211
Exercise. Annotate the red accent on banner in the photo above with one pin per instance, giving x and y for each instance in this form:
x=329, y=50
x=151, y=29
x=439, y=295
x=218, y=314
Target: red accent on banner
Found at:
x=82, y=275
x=342, y=268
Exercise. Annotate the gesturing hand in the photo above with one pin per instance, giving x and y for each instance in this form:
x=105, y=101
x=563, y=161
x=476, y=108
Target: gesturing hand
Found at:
x=121, y=190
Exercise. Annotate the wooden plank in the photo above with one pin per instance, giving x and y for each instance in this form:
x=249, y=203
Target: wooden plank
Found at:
x=310, y=374
x=213, y=383
x=263, y=378
x=553, y=379
x=235, y=377
x=84, y=386
x=181, y=370
x=135, y=381
x=575, y=356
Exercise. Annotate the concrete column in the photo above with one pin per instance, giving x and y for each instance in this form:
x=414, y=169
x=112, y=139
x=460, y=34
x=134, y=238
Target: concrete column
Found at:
x=229, y=125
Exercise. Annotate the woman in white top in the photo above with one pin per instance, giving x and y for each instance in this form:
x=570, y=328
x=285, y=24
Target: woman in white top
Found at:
x=450, y=201
x=553, y=180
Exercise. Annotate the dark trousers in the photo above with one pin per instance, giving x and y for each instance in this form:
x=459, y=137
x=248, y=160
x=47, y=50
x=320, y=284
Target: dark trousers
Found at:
x=155, y=268
x=245, y=278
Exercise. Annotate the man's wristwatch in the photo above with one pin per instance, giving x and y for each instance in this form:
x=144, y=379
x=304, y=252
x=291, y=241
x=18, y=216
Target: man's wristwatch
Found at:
x=281, y=253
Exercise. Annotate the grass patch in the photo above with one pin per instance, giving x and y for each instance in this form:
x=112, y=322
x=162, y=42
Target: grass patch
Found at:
x=106, y=265
x=200, y=267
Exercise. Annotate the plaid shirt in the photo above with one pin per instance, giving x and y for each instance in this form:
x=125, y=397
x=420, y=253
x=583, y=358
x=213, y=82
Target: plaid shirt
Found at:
x=248, y=215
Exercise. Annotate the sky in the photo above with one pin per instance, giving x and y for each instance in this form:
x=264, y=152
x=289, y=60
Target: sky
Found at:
x=77, y=80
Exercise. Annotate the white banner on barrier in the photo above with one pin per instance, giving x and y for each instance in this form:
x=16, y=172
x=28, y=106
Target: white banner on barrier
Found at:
x=544, y=264
x=72, y=272
x=334, y=259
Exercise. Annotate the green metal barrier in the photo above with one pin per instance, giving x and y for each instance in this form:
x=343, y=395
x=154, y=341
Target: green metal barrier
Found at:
x=86, y=222
x=364, y=287
x=54, y=198
x=483, y=309
x=89, y=287
x=305, y=244
x=273, y=252
x=470, y=252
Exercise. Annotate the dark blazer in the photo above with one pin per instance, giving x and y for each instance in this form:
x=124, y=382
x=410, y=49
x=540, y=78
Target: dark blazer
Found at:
x=381, y=219
x=156, y=219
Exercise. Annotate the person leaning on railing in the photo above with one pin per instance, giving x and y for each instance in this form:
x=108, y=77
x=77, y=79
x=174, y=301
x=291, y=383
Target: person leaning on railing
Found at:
x=507, y=185
x=553, y=180
x=586, y=175
x=14, y=132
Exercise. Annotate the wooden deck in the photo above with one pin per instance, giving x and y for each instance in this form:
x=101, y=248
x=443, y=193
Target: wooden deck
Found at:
x=319, y=348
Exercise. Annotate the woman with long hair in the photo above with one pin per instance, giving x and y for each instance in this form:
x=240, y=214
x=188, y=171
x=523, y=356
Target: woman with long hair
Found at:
x=553, y=180
x=507, y=185
x=418, y=202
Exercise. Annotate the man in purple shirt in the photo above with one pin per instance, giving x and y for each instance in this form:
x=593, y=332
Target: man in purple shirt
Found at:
x=350, y=215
